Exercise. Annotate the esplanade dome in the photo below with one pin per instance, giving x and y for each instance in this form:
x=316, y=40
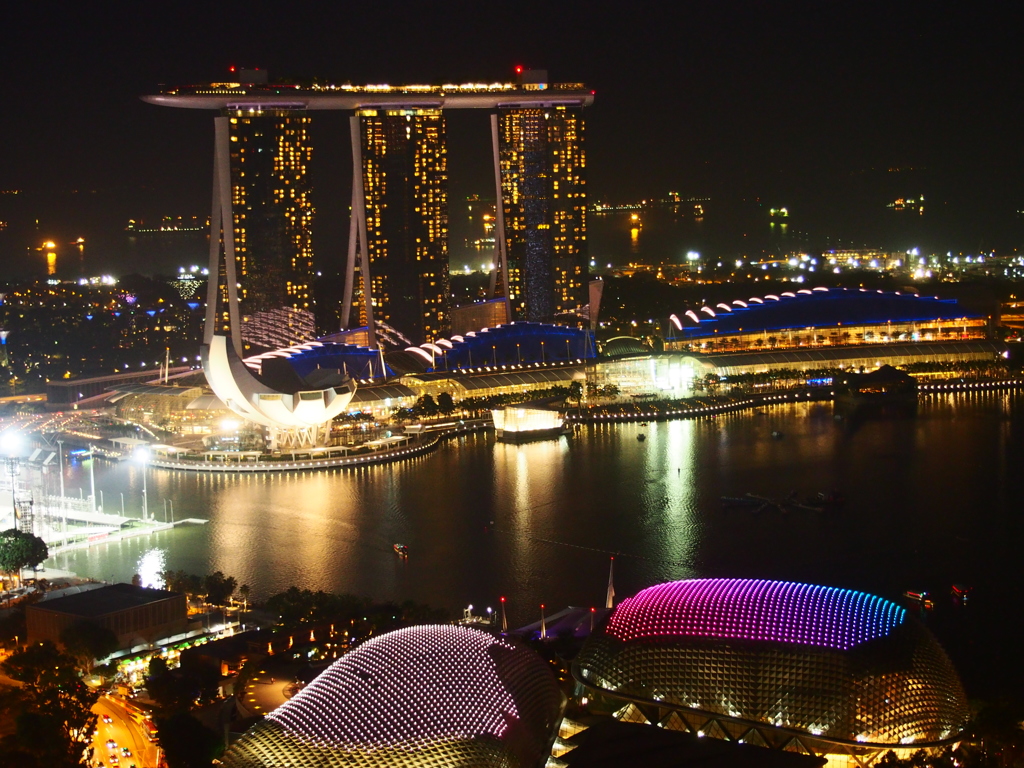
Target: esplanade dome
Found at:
x=831, y=667
x=425, y=696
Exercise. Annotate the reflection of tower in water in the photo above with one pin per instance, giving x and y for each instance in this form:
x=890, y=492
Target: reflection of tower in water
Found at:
x=80, y=244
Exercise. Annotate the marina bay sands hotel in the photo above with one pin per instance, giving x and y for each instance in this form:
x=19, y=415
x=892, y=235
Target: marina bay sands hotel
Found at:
x=397, y=281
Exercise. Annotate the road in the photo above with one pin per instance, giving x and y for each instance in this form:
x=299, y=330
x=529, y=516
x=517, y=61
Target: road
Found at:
x=125, y=732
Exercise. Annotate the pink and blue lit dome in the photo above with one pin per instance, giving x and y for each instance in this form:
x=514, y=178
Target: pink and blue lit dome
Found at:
x=830, y=665
x=425, y=696
x=751, y=609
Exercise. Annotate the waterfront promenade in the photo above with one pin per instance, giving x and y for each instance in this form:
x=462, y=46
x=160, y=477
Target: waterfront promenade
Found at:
x=651, y=411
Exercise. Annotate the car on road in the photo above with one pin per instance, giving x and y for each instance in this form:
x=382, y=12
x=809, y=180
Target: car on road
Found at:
x=107, y=719
x=111, y=744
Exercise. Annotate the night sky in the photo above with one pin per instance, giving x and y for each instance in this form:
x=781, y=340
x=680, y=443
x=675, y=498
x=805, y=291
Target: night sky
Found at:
x=805, y=105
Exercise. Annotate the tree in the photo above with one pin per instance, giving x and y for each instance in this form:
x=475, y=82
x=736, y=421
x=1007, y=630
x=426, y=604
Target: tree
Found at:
x=445, y=403
x=20, y=550
x=157, y=666
x=176, y=690
x=87, y=642
x=576, y=392
x=52, y=710
x=426, y=406
x=244, y=592
x=187, y=743
x=219, y=588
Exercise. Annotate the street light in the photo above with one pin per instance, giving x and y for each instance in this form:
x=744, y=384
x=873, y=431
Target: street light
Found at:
x=10, y=445
x=63, y=504
x=92, y=479
x=142, y=456
x=60, y=462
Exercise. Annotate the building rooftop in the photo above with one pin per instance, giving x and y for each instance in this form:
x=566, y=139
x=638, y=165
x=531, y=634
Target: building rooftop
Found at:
x=811, y=308
x=439, y=695
x=610, y=743
x=258, y=96
x=754, y=609
x=105, y=600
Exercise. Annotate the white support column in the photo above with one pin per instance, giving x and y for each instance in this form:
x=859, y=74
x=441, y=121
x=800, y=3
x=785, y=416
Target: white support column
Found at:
x=500, y=243
x=213, y=278
x=353, y=245
x=359, y=215
x=223, y=156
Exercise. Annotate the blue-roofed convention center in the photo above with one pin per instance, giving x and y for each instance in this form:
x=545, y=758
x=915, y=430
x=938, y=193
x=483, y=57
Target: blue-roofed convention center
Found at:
x=813, y=317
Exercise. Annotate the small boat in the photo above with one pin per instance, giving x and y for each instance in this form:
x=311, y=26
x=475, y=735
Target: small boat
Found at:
x=922, y=599
x=777, y=435
x=401, y=550
x=641, y=437
x=740, y=501
x=960, y=593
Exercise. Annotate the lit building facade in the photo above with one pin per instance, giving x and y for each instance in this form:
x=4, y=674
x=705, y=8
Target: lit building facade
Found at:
x=396, y=272
x=821, y=670
x=543, y=189
x=405, y=190
x=821, y=316
x=273, y=217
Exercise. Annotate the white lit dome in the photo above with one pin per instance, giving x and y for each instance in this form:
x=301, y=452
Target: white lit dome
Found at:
x=429, y=695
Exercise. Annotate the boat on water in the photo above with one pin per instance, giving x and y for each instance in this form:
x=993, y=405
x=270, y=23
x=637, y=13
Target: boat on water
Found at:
x=960, y=593
x=886, y=390
x=401, y=550
x=740, y=501
x=922, y=598
x=641, y=437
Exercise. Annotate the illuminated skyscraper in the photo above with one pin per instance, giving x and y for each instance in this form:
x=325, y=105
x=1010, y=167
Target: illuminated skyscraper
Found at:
x=273, y=216
x=396, y=272
x=403, y=157
x=544, y=200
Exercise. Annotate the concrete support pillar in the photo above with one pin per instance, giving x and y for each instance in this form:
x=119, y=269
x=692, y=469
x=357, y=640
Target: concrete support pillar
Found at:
x=500, y=243
x=357, y=248
x=222, y=228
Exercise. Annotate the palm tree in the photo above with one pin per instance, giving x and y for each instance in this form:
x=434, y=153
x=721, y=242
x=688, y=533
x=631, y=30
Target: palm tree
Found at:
x=244, y=592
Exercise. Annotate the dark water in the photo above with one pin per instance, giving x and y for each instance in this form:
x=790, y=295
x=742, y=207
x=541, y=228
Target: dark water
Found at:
x=930, y=501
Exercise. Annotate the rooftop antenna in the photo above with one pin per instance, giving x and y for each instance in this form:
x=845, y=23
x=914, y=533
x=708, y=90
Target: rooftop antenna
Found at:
x=543, y=626
x=504, y=621
x=609, y=601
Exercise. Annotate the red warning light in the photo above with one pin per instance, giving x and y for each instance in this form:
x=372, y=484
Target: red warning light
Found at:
x=519, y=70
x=503, y=599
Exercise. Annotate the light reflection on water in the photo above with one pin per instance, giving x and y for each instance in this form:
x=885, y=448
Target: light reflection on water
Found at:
x=930, y=501
x=151, y=564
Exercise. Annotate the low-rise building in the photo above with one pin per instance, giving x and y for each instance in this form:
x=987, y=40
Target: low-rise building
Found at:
x=136, y=615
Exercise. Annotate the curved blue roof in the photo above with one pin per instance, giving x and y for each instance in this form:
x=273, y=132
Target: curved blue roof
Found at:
x=516, y=343
x=820, y=307
x=306, y=359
